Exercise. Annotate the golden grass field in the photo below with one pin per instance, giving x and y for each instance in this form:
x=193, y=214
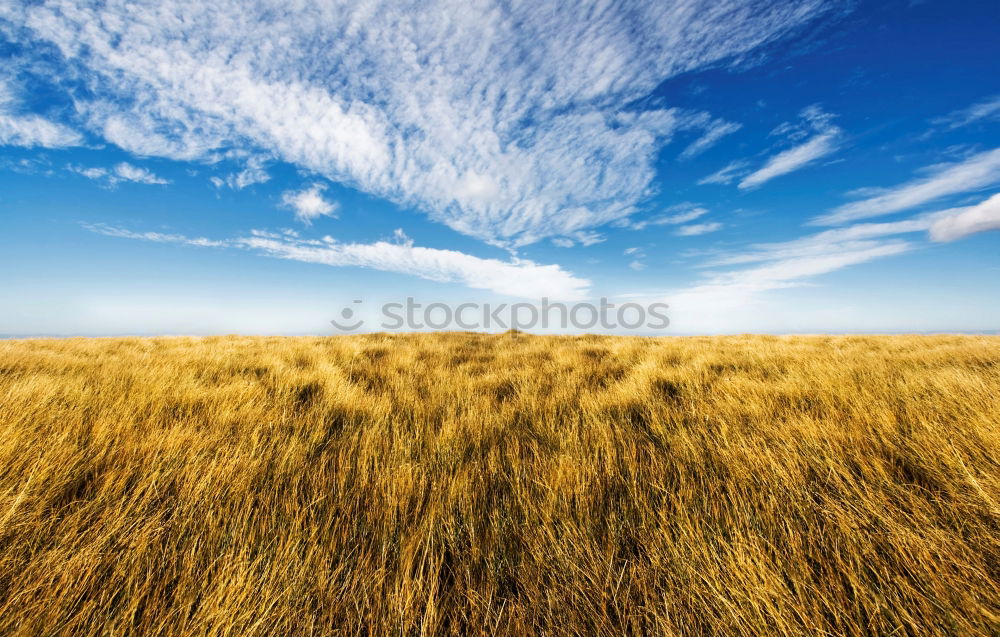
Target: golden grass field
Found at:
x=490, y=484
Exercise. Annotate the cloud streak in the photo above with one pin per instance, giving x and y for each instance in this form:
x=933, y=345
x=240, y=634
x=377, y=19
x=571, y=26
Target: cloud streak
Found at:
x=736, y=280
x=791, y=264
x=714, y=131
x=518, y=277
x=961, y=222
x=727, y=174
x=674, y=215
x=791, y=160
x=824, y=142
x=696, y=229
x=121, y=172
x=986, y=110
x=32, y=131
x=977, y=172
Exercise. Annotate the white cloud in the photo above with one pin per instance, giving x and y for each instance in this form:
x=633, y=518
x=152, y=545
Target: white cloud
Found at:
x=961, y=222
x=401, y=238
x=31, y=130
x=93, y=172
x=583, y=237
x=697, y=229
x=792, y=263
x=588, y=237
x=854, y=238
x=517, y=277
x=309, y=203
x=791, y=160
x=976, y=172
x=681, y=217
x=863, y=238
x=825, y=141
x=158, y=237
x=127, y=172
x=424, y=103
x=139, y=132
x=252, y=173
x=677, y=214
x=121, y=172
x=986, y=110
x=39, y=165
x=738, y=281
x=34, y=131
x=637, y=254
x=726, y=291
x=714, y=131
x=731, y=171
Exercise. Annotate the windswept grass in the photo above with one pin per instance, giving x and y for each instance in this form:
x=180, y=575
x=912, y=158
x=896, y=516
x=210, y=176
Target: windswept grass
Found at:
x=476, y=484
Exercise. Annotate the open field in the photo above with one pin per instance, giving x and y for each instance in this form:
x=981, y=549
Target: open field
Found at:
x=476, y=484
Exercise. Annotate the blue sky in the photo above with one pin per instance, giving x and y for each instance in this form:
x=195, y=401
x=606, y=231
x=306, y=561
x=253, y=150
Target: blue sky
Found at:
x=190, y=167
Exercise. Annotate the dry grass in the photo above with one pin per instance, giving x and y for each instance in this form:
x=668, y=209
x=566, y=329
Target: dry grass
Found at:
x=474, y=484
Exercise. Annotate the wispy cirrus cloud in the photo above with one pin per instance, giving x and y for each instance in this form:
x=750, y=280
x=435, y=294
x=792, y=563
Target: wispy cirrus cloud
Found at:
x=673, y=215
x=119, y=173
x=862, y=236
x=127, y=172
x=638, y=256
x=695, y=229
x=728, y=290
x=582, y=237
x=787, y=264
x=739, y=281
x=790, y=160
x=825, y=140
x=974, y=173
x=30, y=130
x=735, y=279
x=986, y=110
x=253, y=173
x=714, y=130
x=517, y=277
x=680, y=215
x=869, y=238
x=502, y=121
x=727, y=174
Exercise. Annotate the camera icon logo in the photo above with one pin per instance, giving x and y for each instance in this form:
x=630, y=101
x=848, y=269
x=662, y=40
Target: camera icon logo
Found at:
x=347, y=314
